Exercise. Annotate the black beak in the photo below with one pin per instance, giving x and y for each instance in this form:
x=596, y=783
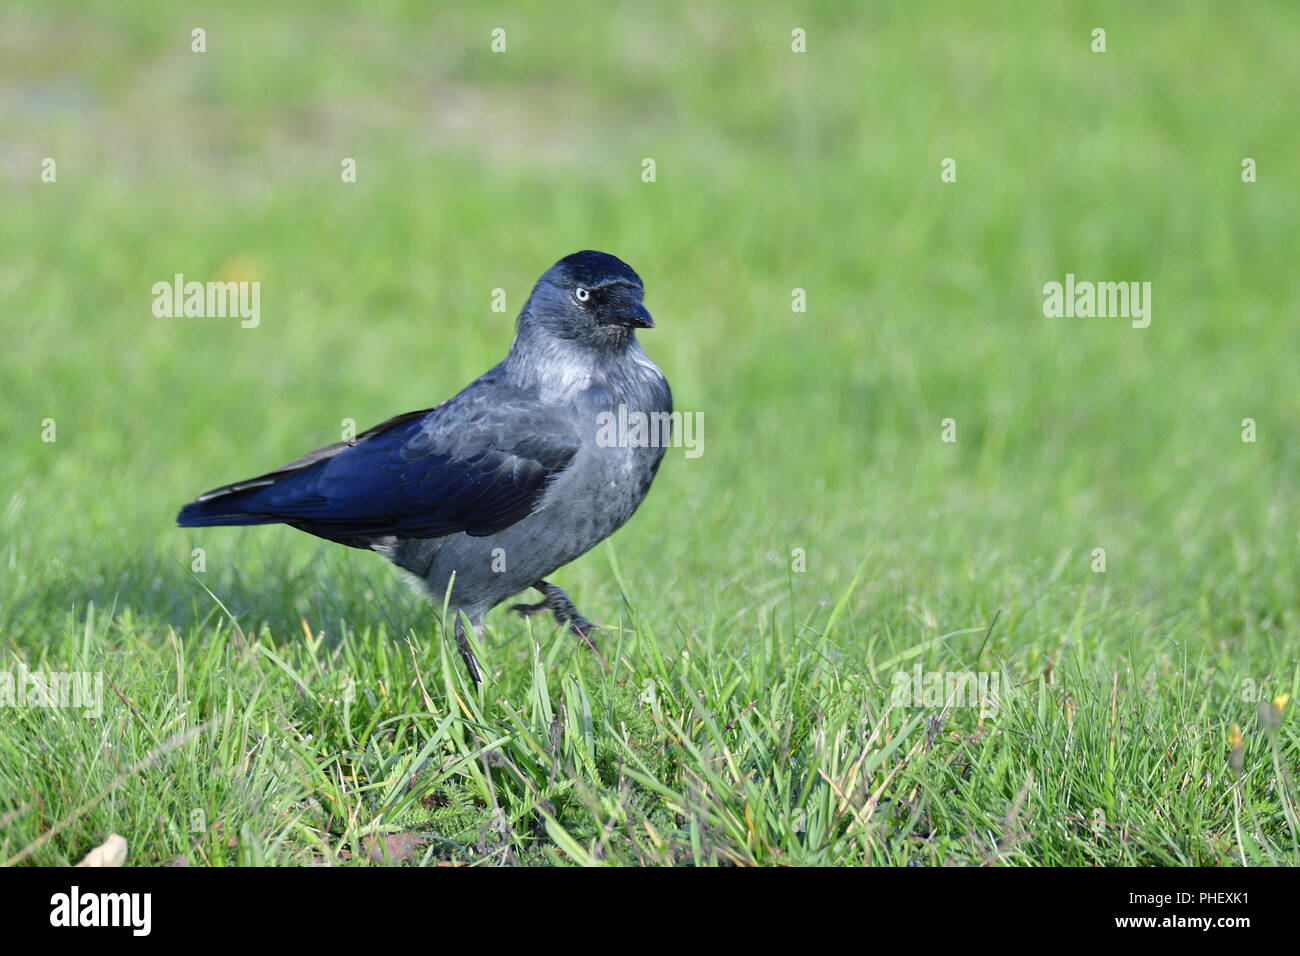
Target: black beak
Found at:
x=637, y=318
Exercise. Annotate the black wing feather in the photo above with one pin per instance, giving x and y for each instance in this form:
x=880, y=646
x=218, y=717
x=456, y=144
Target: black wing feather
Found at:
x=473, y=464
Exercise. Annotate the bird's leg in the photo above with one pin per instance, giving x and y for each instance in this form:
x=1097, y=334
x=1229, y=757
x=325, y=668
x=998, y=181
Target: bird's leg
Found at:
x=467, y=653
x=566, y=613
x=558, y=603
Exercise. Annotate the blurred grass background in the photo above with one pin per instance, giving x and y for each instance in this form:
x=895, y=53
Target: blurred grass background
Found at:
x=775, y=170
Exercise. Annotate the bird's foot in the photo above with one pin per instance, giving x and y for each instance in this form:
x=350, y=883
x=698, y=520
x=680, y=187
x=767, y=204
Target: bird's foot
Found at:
x=528, y=610
x=467, y=653
x=558, y=603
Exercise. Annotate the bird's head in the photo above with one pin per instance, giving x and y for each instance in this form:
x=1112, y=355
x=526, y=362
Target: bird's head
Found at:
x=591, y=298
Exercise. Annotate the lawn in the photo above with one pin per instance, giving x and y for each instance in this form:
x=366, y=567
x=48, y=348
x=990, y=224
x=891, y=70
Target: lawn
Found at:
x=910, y=472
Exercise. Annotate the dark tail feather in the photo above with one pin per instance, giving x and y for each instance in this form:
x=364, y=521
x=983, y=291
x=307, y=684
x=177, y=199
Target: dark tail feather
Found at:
x=244, y=502
x=225, y=510
x=229, y=504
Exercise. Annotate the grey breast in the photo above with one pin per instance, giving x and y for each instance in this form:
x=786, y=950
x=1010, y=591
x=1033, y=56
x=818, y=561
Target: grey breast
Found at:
x=590, y=500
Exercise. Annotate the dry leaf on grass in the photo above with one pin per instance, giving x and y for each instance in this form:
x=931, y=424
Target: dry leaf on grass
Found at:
x=112, y=852
x=395, y=846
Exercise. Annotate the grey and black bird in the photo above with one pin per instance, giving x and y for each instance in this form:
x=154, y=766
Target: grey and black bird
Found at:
x=506, y=482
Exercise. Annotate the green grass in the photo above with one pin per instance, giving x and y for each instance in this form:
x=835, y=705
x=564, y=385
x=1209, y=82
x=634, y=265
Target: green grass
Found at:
x=294, y=701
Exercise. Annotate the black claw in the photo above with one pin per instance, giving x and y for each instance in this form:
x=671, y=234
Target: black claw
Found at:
x=581, y=628
x=528, y=610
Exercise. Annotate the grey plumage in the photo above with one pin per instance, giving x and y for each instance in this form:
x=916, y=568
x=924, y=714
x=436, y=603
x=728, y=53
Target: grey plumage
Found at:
x=505, y=482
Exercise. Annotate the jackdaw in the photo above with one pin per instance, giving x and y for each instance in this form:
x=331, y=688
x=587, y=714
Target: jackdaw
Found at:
x=499, y=486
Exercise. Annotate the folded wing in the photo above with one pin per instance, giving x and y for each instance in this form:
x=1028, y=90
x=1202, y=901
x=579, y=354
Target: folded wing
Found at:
x=468, y=465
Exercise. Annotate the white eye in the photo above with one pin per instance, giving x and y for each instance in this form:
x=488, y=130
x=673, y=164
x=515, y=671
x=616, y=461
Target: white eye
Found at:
x=581, y=294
